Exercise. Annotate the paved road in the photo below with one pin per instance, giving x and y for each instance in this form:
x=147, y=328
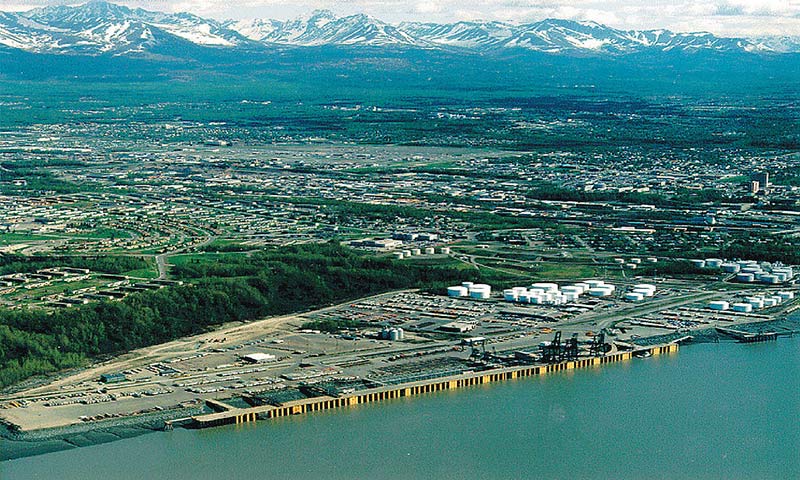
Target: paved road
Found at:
x=161, y=259
x=604, y=320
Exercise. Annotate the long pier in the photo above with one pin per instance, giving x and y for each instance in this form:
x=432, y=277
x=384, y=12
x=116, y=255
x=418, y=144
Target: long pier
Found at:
x=232, y=415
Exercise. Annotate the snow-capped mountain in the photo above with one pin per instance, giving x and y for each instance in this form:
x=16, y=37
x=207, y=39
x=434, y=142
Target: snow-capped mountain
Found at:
x=99, y=28
x=469, y=35
x=324, y=28
x=564, y=36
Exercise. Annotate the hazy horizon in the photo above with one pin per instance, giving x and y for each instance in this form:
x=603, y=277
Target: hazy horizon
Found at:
x=728, y=18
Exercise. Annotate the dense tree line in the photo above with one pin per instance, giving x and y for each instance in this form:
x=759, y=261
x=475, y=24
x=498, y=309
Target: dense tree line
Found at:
x=682, y=197
x=675, y=268
x=243, y=288
x=773, y=249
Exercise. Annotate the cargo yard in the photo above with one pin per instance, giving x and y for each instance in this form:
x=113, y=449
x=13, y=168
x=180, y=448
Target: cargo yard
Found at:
x=247, y=371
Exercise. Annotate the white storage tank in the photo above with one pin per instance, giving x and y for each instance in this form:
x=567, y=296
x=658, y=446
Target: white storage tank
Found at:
x=644, y=286
x=644, y=291
x=446, y=250
x=769, y=302
x=770, y=279
x=416, y=251
x=745, y=277
x=467, y=284
x=634, y=297
x=594, y=283
x=401, y=335
x=519, y=290
x=547, y=287
x=698, y=263
x=777, y=298
x=619, y=260
x=756, y=302
x=719, y=305
x=753, y=270
x=458, y=291
x=730, y=268
x=787, y=270
x=480, y=294
x=786, y=295
x=510, y=295
x=393, y=335
x=636, y=261
x=598, y=292
x=742, y=307
x=713, y=262
x=480, y=291
x=572, y=289
x=652, y=260
x=430, y=251
x=631, y=266
x=571, y=296
x=399, y=255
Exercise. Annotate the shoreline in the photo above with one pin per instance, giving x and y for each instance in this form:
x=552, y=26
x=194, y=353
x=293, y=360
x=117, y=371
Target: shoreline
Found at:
x=20, y=444
x=16, y=444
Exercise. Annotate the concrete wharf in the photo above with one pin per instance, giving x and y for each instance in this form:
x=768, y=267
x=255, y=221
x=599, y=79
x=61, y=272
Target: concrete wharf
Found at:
x=227, y=414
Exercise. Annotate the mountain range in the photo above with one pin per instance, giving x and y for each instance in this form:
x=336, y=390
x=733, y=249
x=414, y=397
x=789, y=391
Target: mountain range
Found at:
x=100, y=28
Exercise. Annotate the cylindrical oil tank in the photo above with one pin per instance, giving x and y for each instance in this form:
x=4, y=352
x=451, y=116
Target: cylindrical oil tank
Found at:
x=644, y=286
x=719, y=305
x=572, y=289
x=457, y=291
x=480, y=291
x=756, y=302
x=742, y=307
x=430, y=251
x=634, y=297
x=730, y=268
x=446, y=250
x=713, y=262
x=698, y=263
x=416, y=251
x=745, y=277
x=547, y=287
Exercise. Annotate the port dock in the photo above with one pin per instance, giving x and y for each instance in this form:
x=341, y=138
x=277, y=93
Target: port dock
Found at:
x=227, y=415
